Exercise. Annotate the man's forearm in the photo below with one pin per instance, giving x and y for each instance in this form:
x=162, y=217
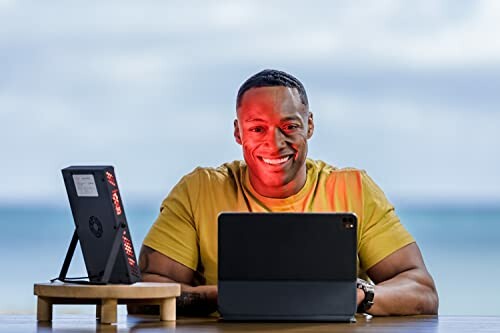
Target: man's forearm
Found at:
x=408, y=293
x=199, y=300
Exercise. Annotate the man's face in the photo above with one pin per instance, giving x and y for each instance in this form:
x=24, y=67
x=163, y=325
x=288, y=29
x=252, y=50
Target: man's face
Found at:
x=273, y=127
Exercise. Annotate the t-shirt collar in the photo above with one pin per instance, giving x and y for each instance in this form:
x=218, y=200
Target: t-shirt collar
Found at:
x=276, y=203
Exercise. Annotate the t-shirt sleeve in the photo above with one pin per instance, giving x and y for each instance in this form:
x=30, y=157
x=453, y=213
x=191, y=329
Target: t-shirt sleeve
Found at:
x=381, y=230
x=174, y=231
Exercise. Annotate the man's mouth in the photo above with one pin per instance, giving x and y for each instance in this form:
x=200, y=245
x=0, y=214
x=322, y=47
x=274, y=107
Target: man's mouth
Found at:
x=276, y=161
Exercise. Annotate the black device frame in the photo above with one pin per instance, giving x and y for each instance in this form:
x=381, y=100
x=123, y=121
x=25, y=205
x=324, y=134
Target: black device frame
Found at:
x=109, y=199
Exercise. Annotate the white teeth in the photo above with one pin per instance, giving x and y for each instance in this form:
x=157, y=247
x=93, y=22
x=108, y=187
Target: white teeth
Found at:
x=276, y=161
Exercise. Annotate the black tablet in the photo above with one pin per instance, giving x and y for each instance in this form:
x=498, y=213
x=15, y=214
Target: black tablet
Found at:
x=287, y=266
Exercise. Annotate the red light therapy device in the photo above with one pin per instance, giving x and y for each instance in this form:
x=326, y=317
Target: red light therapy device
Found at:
x=100, y=226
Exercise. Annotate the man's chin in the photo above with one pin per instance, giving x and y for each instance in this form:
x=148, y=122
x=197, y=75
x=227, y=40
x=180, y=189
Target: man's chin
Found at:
x=273, y=180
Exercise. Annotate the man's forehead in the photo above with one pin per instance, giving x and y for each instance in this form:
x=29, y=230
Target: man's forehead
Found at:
x=261, y=100
x=272, y=93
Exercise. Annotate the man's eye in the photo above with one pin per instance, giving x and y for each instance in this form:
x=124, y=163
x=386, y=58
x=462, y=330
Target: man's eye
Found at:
x=256, y=129
x=291, y=127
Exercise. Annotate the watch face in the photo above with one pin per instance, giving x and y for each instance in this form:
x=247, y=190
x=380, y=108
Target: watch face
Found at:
x=362, y=284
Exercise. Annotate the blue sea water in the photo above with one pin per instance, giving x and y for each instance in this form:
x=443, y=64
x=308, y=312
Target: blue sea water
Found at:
x=459, y=244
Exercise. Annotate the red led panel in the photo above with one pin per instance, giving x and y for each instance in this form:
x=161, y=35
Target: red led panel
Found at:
x=127, y=246
x=110, y=178
x=116, y=202
x=131, y=262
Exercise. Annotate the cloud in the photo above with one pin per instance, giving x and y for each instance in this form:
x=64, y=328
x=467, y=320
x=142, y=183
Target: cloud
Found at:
x=152, y=85
x=436, y=153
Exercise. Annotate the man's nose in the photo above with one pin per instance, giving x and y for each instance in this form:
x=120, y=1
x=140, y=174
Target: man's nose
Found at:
x=279, y=138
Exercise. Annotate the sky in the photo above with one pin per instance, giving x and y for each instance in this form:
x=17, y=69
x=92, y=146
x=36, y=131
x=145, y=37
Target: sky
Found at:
x=405, y=90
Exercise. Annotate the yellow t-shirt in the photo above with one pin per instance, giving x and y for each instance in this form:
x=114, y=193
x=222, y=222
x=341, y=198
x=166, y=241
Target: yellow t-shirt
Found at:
x=186, y=229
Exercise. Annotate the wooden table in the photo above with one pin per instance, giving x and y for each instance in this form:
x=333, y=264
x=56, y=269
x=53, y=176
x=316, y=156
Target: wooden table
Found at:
x=106, y=298
x=412, y=324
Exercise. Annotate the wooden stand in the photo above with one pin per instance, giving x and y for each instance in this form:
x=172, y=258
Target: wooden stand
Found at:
x=107, y=297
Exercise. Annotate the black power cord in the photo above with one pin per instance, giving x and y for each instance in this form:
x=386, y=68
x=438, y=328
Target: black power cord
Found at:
x=78, y=280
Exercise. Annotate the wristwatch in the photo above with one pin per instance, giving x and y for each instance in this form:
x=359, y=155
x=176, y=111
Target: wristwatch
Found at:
x=369, y=290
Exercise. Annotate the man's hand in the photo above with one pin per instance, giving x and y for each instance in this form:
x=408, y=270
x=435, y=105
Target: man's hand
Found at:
x=197, y=300
x=403, y=285
x=360, y=296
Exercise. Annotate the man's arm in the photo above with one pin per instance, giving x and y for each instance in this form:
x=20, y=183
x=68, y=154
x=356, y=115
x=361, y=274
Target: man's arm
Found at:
x=194, y=300
x=403, y=285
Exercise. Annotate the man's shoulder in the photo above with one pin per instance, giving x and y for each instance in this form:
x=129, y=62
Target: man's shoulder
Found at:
x=213, y=175
x=329, y=169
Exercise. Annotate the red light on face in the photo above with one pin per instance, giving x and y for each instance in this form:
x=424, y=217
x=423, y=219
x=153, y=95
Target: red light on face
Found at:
x=116, y=202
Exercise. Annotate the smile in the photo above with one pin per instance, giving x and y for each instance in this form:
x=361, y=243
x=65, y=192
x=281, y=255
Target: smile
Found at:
x=276, y=161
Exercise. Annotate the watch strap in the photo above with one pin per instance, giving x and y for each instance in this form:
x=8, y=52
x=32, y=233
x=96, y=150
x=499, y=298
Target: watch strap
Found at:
x=369, y=290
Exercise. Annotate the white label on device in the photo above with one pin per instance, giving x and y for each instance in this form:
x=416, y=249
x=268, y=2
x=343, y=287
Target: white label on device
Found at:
x=85, y=185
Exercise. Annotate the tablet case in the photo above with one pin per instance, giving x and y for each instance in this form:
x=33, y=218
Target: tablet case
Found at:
x=287, y=266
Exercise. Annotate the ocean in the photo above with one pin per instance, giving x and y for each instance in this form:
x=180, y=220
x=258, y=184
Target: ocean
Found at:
x=459, y=244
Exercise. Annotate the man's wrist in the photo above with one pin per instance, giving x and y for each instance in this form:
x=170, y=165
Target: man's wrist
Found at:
x=368, y=289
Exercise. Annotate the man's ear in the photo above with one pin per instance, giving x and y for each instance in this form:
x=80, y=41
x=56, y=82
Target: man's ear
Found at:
x=237, y=135
x=310, y=125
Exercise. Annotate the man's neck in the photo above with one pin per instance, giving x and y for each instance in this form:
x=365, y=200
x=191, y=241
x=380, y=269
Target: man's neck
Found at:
x=279, y=192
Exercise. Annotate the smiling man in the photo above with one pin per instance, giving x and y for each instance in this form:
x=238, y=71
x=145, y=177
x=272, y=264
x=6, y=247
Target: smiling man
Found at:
x=273, y=126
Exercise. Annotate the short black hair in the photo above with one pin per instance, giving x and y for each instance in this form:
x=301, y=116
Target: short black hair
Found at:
x=272, y=78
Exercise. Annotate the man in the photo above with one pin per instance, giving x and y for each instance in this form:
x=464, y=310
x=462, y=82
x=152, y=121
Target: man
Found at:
x=273, y=125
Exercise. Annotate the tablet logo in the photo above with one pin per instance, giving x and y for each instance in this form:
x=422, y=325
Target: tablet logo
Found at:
x=95, y=226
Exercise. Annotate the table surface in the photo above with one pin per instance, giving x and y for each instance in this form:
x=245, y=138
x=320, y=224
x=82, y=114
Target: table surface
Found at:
x=86, y=323
x=137, y=290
